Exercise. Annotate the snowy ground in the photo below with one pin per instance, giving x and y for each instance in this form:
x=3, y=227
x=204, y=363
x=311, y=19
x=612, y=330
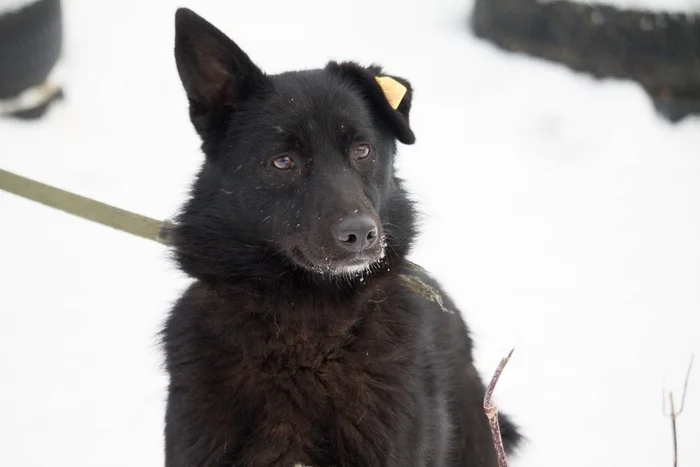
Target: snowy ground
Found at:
x=560, y=212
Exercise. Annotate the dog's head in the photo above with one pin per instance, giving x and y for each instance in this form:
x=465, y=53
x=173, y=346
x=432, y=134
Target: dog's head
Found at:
x=299, y=166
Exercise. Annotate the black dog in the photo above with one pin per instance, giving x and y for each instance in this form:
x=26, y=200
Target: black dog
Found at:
x=306, y=338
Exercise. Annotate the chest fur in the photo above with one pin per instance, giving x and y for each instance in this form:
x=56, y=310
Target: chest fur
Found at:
x=336, y=360
x=313, y=376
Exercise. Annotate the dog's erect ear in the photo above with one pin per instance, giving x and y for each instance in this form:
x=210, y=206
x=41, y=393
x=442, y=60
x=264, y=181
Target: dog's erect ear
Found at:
x=390, y=96
x=215, y=72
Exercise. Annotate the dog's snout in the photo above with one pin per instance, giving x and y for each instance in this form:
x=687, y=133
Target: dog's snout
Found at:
x=357, y=233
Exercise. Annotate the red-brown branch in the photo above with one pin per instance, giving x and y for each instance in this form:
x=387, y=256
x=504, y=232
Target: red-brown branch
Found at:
x=492, y=413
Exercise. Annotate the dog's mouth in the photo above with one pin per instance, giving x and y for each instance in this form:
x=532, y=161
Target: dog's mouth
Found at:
x=346, y=265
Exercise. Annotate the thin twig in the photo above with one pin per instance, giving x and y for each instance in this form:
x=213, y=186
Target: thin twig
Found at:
x=492, y=412
x=685, y=385
x=675, y=413
x=675, y=430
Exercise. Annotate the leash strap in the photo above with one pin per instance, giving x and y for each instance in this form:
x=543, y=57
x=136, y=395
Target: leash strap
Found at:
x=142, y=226
x=86, y=208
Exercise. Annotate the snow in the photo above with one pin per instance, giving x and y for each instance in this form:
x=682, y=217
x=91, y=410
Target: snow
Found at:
x=560, y=212
x=7, y=6
x=676, y=6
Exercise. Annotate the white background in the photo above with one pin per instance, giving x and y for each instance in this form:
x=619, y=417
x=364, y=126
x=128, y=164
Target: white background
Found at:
x=560, y=212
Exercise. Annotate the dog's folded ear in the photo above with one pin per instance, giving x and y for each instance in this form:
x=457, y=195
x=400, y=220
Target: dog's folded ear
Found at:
x=214, y=71
x=389, y=96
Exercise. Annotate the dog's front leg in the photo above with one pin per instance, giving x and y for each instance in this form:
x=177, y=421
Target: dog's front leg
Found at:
x=268, y=440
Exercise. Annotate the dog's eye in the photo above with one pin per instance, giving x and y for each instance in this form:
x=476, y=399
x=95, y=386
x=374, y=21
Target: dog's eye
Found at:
x=283, y=163
x=360, y=151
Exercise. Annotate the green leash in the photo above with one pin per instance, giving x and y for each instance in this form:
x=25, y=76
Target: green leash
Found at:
x=142, y=226
x=86, y=208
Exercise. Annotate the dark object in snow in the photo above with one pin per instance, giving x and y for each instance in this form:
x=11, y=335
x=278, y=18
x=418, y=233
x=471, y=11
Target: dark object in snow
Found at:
x=661, y=51
x=31, y=38
x=307, y=339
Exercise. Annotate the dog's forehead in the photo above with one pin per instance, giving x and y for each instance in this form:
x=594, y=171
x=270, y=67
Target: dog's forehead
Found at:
x=317, y=95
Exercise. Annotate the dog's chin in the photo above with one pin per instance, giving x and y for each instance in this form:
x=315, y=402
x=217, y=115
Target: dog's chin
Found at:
x=351, y=266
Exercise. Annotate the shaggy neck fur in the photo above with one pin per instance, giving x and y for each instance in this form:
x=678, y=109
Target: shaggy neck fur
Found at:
x=211, y=249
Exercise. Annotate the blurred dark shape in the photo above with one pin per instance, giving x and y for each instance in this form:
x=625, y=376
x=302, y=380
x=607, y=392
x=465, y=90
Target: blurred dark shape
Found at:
x=659, y=50
x=31, y=39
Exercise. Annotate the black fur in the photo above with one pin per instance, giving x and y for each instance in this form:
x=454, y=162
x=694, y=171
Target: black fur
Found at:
x=284, y=351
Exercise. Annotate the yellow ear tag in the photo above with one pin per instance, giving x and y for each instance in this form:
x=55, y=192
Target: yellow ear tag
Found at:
x=393, y=90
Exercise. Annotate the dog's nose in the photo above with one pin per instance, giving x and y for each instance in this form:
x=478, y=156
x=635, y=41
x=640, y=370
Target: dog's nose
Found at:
x=357, y=233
